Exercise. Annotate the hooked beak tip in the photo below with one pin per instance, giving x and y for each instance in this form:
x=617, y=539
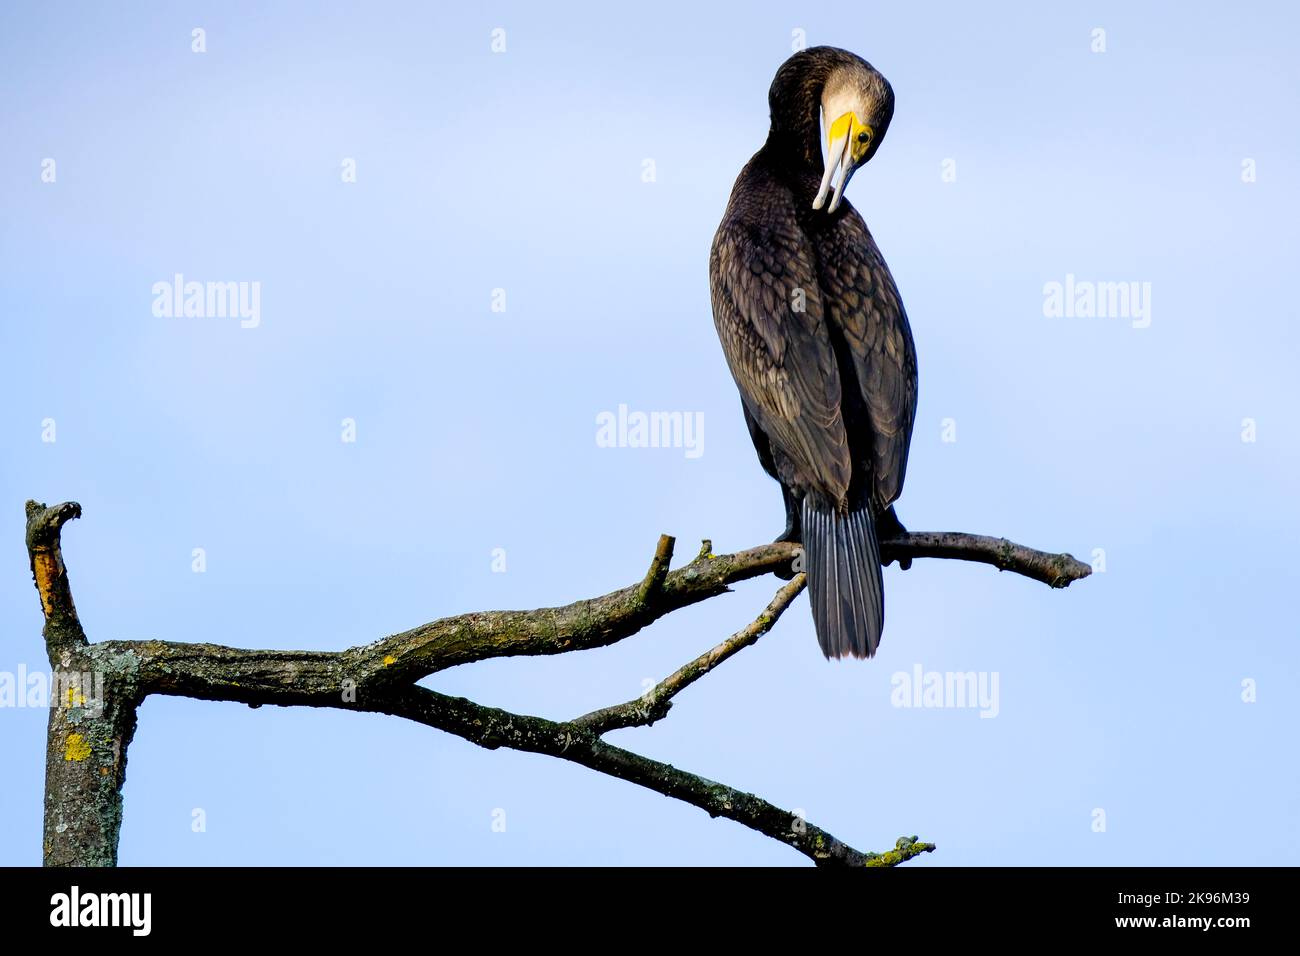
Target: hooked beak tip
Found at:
x=839, y=161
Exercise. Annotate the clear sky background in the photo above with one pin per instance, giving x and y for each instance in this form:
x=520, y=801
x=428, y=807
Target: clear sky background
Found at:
x=476, y=429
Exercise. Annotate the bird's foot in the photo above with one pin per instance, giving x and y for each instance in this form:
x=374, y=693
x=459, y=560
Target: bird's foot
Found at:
x=887, y=527
x=791, y=535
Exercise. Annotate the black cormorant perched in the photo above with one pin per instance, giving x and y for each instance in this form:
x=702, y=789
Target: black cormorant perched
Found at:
x=816, y=337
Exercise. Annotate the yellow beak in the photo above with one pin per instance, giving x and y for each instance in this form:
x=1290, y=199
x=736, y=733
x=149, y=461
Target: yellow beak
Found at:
x=848, y=141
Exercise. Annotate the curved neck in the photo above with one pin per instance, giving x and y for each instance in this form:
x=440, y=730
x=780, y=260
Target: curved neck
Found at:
x=794, y=138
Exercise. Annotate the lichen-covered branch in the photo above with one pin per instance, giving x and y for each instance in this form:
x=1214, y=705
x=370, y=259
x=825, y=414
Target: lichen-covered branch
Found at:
x=492, y=728
x=44, y=525
x=595, y=622
x=92, y=713
x=1057, y=570
x=90, y=730
x=656, y=701
x=85, y=766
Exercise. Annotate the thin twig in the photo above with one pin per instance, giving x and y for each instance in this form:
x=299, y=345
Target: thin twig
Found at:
x=493, y=728
x=655, y=702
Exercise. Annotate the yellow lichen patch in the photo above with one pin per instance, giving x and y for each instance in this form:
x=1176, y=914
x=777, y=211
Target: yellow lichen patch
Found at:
x=47, y=572
x=76, y=698
x=76, y=748
x=389, y=660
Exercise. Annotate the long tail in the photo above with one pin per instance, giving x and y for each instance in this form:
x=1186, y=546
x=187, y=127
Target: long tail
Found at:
x=845, y=584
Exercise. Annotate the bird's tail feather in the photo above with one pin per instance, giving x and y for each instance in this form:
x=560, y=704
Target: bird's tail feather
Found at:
x=845, y=585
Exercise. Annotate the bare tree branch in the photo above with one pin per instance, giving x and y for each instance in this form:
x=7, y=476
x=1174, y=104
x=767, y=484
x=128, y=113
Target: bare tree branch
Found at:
x=44, y=525
x=655, y=577
x=1057, y=570
x=492, y=728
x=92, y=714
x=410, y=655
x=655, y=702
x=89, y=735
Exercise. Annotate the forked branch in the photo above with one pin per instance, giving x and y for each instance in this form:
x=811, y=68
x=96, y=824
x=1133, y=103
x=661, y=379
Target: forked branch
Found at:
x=90, y=729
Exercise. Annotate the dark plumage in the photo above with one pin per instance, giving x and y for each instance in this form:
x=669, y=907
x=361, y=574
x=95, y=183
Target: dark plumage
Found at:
x=816, y=337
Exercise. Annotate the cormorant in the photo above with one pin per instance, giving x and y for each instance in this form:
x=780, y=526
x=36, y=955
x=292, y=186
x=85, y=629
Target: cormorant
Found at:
x=816, y=337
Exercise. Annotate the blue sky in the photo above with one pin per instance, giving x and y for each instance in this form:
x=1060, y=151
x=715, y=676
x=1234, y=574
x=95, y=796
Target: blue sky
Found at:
x=523, y=171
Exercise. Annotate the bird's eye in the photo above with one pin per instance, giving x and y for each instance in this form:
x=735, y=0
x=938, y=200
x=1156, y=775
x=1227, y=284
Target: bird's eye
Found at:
x=863, y=136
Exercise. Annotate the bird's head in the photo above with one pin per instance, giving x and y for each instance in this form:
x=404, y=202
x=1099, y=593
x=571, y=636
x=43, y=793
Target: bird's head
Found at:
x=857, y=104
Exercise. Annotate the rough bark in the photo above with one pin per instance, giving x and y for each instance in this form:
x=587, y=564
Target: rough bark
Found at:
x=92, y=711
x=85, y=762
x=93, y=717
